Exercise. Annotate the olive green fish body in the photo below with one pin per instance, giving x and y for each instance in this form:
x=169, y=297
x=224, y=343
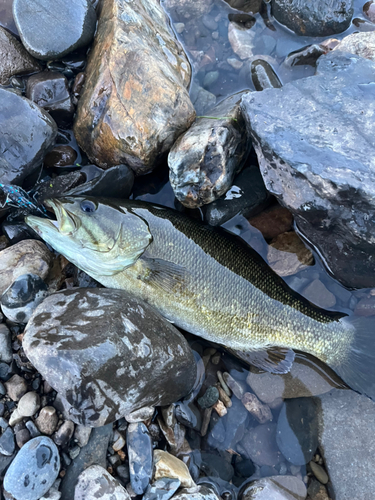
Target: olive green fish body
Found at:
x=206, y=281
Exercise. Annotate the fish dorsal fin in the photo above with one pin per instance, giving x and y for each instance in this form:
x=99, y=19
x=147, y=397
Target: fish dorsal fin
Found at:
x=274, y=359
x=163, y=274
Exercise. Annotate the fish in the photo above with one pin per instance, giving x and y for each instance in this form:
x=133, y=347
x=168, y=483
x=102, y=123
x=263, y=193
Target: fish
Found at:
x=208, y=282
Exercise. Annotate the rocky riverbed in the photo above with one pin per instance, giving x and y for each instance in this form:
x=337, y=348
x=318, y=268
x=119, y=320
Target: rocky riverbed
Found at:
x=253, y=115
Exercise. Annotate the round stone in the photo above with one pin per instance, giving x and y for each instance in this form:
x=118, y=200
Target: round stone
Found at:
x=50, y=29
x=29, y=404
x=34, y=470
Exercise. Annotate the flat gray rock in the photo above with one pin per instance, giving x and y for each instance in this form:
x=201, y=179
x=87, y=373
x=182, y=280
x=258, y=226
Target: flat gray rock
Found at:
x=347, y=443
x=26, y=133
x=276, y=488
x=315, y=143
x=108, y=353
x=50, y=29
x=95, y=482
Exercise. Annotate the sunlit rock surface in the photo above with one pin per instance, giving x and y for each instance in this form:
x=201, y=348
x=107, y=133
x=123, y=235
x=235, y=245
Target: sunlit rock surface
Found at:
x=204, y=160
x=315, y=143
x=108, y=354
x=135, y=103
x=362, y=44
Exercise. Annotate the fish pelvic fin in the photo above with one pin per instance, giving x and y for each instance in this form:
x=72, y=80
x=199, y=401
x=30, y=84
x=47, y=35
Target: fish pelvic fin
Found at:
x=274, y=359
x=164, y=275
x=357, y=369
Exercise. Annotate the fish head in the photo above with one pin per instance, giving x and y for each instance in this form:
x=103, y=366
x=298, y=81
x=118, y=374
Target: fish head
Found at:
x=101, y=238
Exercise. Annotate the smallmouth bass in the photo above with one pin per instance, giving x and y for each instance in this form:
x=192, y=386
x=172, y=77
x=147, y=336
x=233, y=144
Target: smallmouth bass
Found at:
x=208, y=282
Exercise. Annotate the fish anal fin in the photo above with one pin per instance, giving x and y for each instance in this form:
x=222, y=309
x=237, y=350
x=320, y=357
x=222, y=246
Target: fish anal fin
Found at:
x=163, y=274
x=272, y=359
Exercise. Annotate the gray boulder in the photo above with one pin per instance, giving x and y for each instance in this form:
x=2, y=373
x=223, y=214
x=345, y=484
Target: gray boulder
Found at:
x=318, y=18
x=347, y=443
x=108, y=354
x=26, y=133
x=204, y=160
x=315, y=144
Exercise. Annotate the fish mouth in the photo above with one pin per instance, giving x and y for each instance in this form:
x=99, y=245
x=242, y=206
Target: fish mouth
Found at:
x=65, y=223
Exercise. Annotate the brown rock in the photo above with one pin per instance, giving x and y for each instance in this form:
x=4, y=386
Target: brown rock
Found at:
x=260, y=411
x=25, y=257
x=166, y=465
x=16, y=387
x=287, y=254
x=273, y=221
x=134, y=103
x=317, y=293
x=14, y=58
x=47, y=420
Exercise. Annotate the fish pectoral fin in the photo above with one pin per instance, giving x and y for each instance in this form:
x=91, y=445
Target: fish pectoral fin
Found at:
x=163, y=274
x=273, y=359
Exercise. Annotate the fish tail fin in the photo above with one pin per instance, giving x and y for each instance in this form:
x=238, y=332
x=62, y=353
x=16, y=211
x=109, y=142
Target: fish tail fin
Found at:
x=357, y=369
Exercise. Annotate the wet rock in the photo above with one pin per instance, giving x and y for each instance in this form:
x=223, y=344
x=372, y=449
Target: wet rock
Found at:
x=253, y=6
x=260, y=445
x=29, y=404
x=189, y=415
x=145, y=105
x=307, y=378
x=201, y=99
x=162, y=489
x=16, y=387
x=238, y=388
x=258, y=410
x=82, y=435
x=209, y=398
x=95, y=482
x=305, y=56
x=168, y=466
x=275, y=488
x=347, y=417
x=34, y=470
x=15, y=60
x=247, y=196
x=108, y=360
x=6, y=351
x=317, y=293
x=26, y=133
x=216, y=466
x=297, y=430
x=287, y=254
x=60, y=156
x=20, y=300
x=263, y=75
x=139, y=445
x=242, y=38
x=22, y=437
x=50, y=91
x=319, y=472
x=321, y=18
x=47, y=420
x=64, y=434
x=362, y=44
x=316, y=491
x=273, y=221
x=7, y=444
x=196, y=493
x=140, y=415
x=42, y=26
x=188, y=9
x=369, y=10
x=366, y=306
x=116, y=182
x=309, y=182
x=204, y=160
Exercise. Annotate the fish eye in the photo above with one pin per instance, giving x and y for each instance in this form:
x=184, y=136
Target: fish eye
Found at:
x=88, y=206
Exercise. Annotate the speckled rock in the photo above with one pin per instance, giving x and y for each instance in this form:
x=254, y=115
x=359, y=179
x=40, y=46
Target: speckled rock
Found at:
x=26, y=133
x=319, y=18
x=14, y=59
x=145, y=105
x=204, y=160
x=303, y=166
x=95, y=482
x=121, y=354
x=162, y=489
x=34, y=470
x=275, y=488
x=50, y=29
x=362, y=44
x=6, y=351
x=260, y=445
x=166, y=465
x=25, y=257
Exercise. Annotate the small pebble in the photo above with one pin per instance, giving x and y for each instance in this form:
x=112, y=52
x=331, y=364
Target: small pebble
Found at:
x=22, y=437
x=74, y=452
x=220, y=408
x=215, y=360
x=3, y=423
x=47, y=420
x=206, y=421
x=119, y=443
x=258, y=410
x=34, y=432
x=82, y=435
x=29, y=404
x=319, y=472
x=223, y=384
x=7, y=444
x=64, y=434
x=223, y=396
x=237, y=388
x=209, y=398
x=16, y=387
x=179, y=27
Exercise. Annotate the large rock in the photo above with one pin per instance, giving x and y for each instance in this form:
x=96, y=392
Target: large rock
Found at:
x=275, y=488
x=318, y=18
x=50, y=29
x=347, y=442
x=362, y=44
x=26, y=132
x=108, y=354
x=14, y=59
x=135, y=103
x=204, y=160
x=315, y=144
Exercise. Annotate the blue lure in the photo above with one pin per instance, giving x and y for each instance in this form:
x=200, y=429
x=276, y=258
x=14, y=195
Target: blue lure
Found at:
x=15, y=196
